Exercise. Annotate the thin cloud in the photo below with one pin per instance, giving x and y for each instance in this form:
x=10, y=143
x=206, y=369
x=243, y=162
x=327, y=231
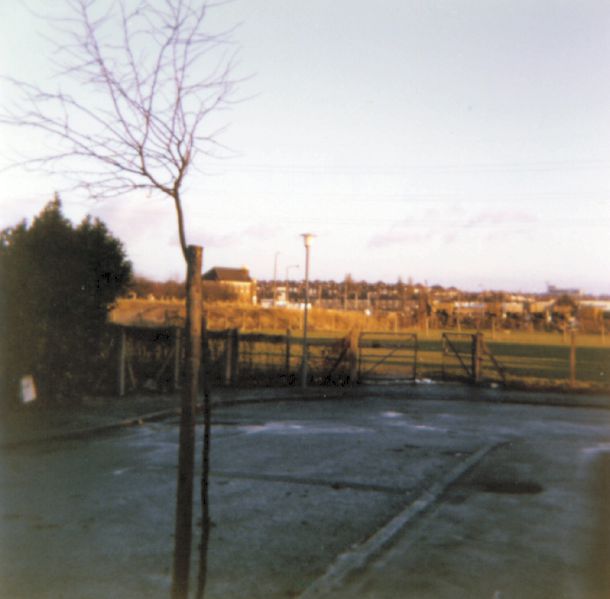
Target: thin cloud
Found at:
x=501, y=217
x=398, y=237
x=260, y=231
x=450, y=238
x=448, y=230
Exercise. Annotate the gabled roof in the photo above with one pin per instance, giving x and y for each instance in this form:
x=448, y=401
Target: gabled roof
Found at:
x=222, y=273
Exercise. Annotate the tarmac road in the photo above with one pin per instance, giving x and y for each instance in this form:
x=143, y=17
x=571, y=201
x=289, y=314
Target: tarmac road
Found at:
x=369, y=497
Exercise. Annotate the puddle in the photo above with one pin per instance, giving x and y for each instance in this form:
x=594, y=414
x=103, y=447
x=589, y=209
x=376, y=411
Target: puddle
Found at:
x=287, y=428
x=599, y=448
x=270, y=427
x=510, y=487
x=392, y=414
x=421, y=427
x=425, y=427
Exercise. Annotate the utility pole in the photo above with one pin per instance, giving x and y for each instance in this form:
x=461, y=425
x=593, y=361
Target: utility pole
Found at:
x=275, y=277
x=286, y=280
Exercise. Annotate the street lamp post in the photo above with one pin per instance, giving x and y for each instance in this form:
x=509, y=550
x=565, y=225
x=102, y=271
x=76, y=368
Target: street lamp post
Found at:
x=307, y=238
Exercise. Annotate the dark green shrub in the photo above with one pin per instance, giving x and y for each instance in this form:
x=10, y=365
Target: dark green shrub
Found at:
x=57, y=284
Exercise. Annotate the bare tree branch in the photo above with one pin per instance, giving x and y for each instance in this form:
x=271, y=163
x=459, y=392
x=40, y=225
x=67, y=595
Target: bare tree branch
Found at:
x=137, y=86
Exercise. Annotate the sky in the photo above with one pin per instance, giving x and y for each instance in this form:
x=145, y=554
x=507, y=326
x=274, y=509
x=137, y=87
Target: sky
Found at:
x=454, y=143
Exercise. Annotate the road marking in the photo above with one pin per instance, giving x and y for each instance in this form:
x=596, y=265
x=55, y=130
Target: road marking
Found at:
x=358, y=556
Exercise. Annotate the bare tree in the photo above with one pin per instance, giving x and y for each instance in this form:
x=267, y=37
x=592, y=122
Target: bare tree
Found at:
x=140, y=83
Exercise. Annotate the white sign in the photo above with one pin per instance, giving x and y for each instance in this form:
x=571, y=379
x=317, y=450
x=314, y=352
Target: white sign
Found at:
x=28, y=389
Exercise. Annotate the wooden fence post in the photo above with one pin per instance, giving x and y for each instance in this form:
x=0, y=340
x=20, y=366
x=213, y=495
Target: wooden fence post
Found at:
x=443, y=353
x=177, y=356
x=234, y=356
x=122, y=360
x=186, y=451
x=572, y=357
x=476, y=357
x=415, y=357
x=228, y=355
x=354, y=350
x=288, y=348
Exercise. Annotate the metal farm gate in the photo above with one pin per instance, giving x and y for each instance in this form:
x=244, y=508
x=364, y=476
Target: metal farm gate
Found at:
x=233, y=357
x=387, y=357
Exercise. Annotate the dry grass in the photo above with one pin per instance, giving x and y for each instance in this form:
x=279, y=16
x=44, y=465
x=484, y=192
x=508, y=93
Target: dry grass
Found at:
x=225, y=315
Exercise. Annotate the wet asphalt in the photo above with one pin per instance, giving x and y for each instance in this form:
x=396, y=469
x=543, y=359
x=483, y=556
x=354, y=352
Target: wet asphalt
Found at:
x=390, y=494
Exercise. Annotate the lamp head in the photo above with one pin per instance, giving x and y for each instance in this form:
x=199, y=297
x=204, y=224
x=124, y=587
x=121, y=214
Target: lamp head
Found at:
x=307, y=238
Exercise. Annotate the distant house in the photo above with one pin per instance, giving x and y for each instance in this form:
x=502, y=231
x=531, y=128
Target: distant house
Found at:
x=553, y=291
x=226, y=283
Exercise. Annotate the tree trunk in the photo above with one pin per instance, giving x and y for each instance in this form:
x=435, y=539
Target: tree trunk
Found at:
x=186, y=454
